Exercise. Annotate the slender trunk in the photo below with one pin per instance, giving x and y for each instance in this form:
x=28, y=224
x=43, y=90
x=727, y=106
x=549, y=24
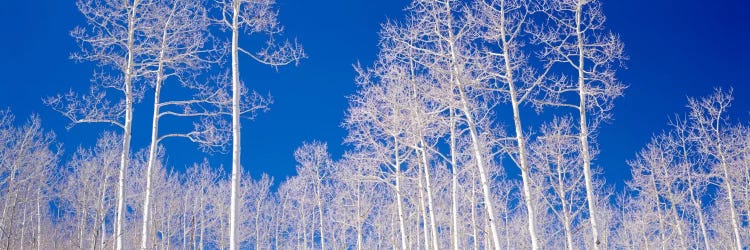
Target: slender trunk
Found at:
x=222, y=226
x=720, y=150
x=278, y=238
x=478, y=157
x=675, y=215
x=23, y=225
x=422, y=150
x=693, y=197
x=82, y=222
x=151, y=161
x=520, y=140
x=701, y=220
x=423, y=211
x=506, y=216
x=125, y=155
x=100, y=213
x=525, y=178
x=154, y=131
x=584, y=133
x=454, y=181
x=114, y=236
x=202, y=208
x=428, y=185
x=730, y=199
x=38, y=219
x=564, y=203
x=304, y=220
x=194, y=231
x=257, y=224
x=184, y=223
x=678, y=224
x=320, y=216
x=400, y=208
x=659, y=213
x=236, y=171
x=399, y=203
x=474, y=222
x=483, y=176
x=359, y=215
x=169, y=234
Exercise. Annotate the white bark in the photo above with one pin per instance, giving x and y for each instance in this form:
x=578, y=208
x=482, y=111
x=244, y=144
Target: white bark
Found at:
x=583, y=136
x=454, y=181
x=236, y=146
x=128, y=124
x=399, y=202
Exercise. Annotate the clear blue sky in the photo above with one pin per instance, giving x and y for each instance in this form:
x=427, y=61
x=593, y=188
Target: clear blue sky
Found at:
x=676, y=49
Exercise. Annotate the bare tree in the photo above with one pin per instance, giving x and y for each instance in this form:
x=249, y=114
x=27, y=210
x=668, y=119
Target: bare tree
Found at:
x=574, y=36
x=557, y=170
x=653, y=177
x=89, y=191
x=110, y=40
x=708, y=116
x=444, y=50
x=177, y=40
x=27, y=163
x=376, y=128
x=252, y=17
x=315, y=168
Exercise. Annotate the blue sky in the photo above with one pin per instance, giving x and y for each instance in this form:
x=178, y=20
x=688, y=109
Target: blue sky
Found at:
x=676, y=49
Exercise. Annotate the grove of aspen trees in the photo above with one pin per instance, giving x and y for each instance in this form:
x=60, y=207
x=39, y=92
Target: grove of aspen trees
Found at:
x=474, y=128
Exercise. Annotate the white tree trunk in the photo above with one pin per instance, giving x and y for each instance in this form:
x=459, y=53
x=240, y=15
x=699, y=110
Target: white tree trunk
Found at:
x=567, y=220
x=454, y=181
x=236, y=171
x=520, y=140
x=730, y=198
x=154, y=147
x=423, y=210
x=479, y=158
x=701, y=219
x=125, y=155
x=320, y=215
x=584, y=133
x=38, y=219
x=399, y=203
x=428, y=186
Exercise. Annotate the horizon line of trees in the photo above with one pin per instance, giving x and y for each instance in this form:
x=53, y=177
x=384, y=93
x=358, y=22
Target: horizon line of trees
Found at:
x=461, y=93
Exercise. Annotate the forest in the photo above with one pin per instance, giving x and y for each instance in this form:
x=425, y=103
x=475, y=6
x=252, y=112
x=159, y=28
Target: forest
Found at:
x=474, y=128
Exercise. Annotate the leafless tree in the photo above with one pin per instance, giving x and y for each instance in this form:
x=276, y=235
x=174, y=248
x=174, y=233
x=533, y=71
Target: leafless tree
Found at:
x=251, y=17
x=586, y=56
x=110, y=40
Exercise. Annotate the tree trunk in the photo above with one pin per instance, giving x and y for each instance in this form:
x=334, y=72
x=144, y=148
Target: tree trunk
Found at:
x=454, y=181
x=154, y=134
x=520, y=140
x=730, y=198
x=38, y=219
x=236, y=92
x=584, y=133
x=483, y=176
x=428, y=186
x=125, y=156
x=478, y=157
x=399, y=203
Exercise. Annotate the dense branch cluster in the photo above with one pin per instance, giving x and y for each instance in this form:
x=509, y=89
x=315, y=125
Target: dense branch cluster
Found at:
x=475, y=128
